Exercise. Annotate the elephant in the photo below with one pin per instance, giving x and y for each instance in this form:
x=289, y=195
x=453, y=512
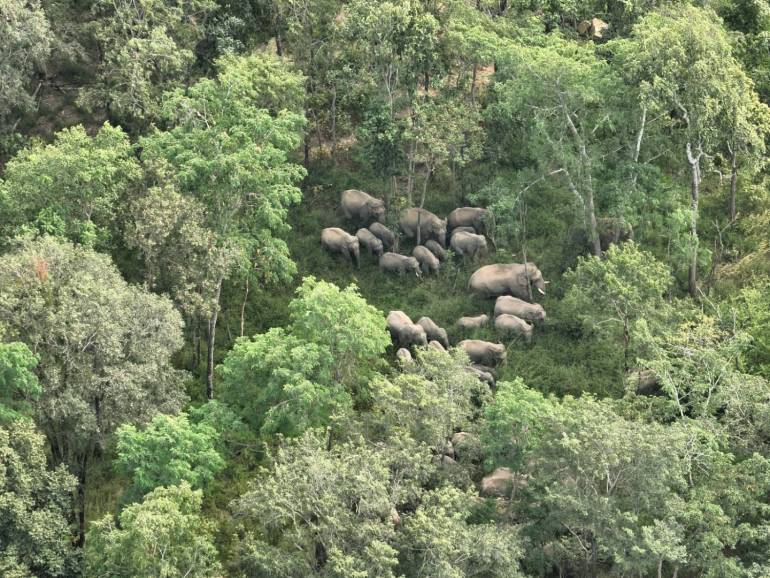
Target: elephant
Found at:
x=336, y=240
x=532, y=312
x=469, y=217
x=461, y=230
x=481, y=375
x=403, y=331
x=490, y=370
x=498, y=484
x=614, y=231
x=384, y=234
x=468, y=244
x=395, y=263
x=361, y=207
x=367, y=239
x=645, y=382
x=483, y=351
x=433, y=331
x=429, y=263
x=404, y=355
x=476, y=322
x=504, y=279
x=430, y=226
x=436, y=249
x=512, y=325
x=436, y=345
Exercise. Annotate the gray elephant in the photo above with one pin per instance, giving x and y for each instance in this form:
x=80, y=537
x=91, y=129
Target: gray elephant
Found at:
x=614, y=231
x=384, y=234
x=336, y=240
x=367, y=239
x=433, y=331
x=507, y=279
x=461, y=230
x=362, y=207
x=469, y=217
x=481, y=375
x=429, y=263
x=430, y=226
x=404, y=355
x=532, y=312
x=514, y=326
x=436, y=249
x=468, y=244
x=483, y=352
x=436, y=345
x=403, y=331
x=395, y=263
x=477, y=322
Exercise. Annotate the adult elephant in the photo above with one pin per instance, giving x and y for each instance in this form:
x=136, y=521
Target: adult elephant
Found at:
x=336, y=240
x=532, y=312
x=423, y=225
x=507, y=279
x=469, y=217
x=468, y=244
x=395, y=263
x=434, y=331
x=480, y=351
x=362, y=207
x=403, y=331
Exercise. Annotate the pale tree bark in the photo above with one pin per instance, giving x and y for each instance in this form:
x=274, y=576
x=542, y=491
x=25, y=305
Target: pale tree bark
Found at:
x=694, y=161
x=243, y=306
x=212, y=335
x=731, y=205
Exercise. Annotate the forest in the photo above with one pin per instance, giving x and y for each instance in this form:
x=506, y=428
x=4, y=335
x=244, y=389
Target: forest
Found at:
x=384, y=288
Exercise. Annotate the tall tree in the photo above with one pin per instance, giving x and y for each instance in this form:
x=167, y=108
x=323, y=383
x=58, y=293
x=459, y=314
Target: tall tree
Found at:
x=228, y=149
x=104, y=347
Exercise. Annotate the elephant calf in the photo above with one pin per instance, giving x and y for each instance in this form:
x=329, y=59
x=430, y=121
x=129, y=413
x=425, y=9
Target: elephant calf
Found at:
x=436, y=249
x=404, y=355
x=403, y=332
x=477, y=322
x=436, y=345
x=384, y=234
x=433, y=331
x=468, y=244
x=472, y=217
x=336, y=240
x=532, y=312
x=483, y=376
x=512, y=325
x=367, y=239
x=429, y=263
x=395, y=263
x=362, y=207
x=483, y=352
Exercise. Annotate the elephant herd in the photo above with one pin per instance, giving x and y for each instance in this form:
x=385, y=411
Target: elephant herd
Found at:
x=464, y=232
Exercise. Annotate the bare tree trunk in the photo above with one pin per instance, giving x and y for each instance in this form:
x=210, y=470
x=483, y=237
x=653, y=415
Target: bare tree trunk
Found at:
x=694, y=161
x=733, y=184
x=660, y=568
x=334, y=125
x=593, y=228
x=212, y=335
x=243, y=306
x=473, y=82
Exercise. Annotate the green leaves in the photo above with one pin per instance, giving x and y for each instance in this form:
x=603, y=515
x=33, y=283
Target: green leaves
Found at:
x=18, y=384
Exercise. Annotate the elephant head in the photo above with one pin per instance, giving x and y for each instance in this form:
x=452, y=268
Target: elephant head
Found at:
x=438, y=229
x=377, y=210
x=535, y=278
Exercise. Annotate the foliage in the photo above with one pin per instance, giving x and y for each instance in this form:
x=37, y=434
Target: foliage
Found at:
x=168, y=451
x=35, y=505
x=18, y=384
x=164, y=535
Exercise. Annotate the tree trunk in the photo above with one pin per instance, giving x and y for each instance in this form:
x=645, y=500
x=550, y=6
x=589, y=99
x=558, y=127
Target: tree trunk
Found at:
x=694, y=161
x=733, y=185
x=473, y=82
x=212, y=335
x=593, y=228
x=243, y=306
x=660, y=568
x=334, y=125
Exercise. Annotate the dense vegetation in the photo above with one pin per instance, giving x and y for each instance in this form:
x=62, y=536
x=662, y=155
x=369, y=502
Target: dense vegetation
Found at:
x=191, y=386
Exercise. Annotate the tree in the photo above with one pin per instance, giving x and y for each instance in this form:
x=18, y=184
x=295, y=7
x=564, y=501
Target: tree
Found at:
x=35, y=507
x=72, y=187
x=614, y=294
x=682, y=59
x=168, y=451
x=146, y=48
x=18, y=383
x=164, y=536
x=287, y=380
x=25, y=44
x=222, y=131
x=104, y=346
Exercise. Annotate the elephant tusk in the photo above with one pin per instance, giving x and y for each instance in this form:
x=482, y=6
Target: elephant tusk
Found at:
x=541, y=291
x=546, y=282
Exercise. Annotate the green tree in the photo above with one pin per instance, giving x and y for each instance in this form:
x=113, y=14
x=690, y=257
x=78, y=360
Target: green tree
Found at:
x=18, y=383
x=287, y=380
x=168, y=451
x=35, y=508
x=72, y=187
x=104, y=346
x=221, y=129
x=25, y=45
x=164, y=536
x=621, y=295
x=146, y=48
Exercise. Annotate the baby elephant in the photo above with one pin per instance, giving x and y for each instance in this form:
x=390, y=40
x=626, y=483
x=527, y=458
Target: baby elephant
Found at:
x=429, y=263
x=403, y=332
x=336, y=240
x=367, y=239
x=477, y=322
x=512, y=325
x=532, y=312
x=436, y=345
x=404, y=355
x=433, y=331
x=468, y=244
x=384, y=234
x=436, y=249
x=483, y=352
x=395, y=263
